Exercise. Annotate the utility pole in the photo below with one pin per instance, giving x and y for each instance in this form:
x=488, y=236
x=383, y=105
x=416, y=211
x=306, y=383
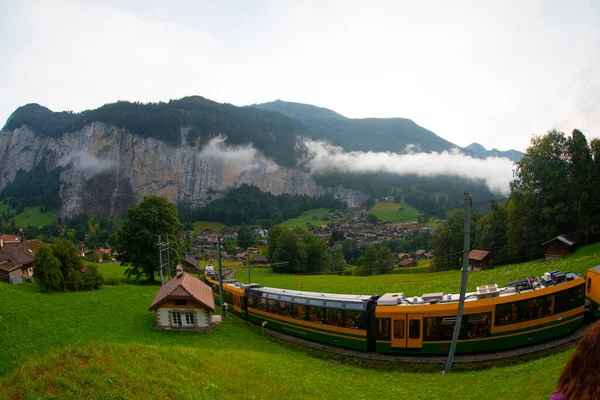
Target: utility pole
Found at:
x=463, y=282
x=163, y=246
x=168, y=258
x=220, y=276
x=248, y=268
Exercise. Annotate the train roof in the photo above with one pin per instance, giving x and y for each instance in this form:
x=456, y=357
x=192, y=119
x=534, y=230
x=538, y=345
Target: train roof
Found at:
x=528, y=284
x=596, y=268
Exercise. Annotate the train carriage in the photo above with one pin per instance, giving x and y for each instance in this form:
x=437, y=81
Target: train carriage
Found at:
x=336, y=319
x=234, y=294
x=521, y=313
x=592, y=291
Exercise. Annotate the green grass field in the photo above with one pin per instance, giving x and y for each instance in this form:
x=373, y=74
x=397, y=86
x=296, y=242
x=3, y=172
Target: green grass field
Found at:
x=415, y=284
x=388, y=210
x=103, y=344
x=307, y=216
x=33, y=216
x=200, y=226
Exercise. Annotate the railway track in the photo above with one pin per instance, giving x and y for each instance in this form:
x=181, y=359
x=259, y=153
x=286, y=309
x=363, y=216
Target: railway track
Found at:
x=545, y=348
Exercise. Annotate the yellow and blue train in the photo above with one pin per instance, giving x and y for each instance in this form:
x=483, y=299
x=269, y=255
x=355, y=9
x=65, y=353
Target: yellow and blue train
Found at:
x=520, y=313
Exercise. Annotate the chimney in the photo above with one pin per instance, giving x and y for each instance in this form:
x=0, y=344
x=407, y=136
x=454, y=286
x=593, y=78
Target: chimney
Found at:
x=22, y=236
x=179, y=270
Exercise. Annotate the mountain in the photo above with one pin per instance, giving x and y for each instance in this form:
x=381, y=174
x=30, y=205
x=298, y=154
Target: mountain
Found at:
x=482, y=152
x=111, y=157
x=368, y=134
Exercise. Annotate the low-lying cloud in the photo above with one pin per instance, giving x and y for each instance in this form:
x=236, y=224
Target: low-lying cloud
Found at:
x=324, y=157
x=244, y=158
x=91, y=165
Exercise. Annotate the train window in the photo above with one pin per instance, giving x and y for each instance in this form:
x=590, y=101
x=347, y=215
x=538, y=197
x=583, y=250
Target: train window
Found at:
x=414, y=329
x=398, y=328
x=285, y=309
x=353, y=320
x=299, y=300
x=299, y=311
x=273, y=296
x=228, y=297
x=475, y=325
x=431, y=331
x=334, y=317
x=334, y=304
x=286, y=298
x=507, y=313
x=530, y=309
x=262, y=304
x=446, y=327
x=354, y=306
x=589, y=285
x=546, y=306
x=383, y=328
x=315, y=314
x=273, y=306
x=569, y=299
x=315, y=302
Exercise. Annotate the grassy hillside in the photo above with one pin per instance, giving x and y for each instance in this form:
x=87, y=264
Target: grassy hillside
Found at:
x=200, y=226
x=388, y=210
x=33, y=216
x=103, y=344
x=414, y=284
x=307, y=216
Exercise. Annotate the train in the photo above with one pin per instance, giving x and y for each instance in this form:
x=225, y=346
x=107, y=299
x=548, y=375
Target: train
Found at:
x=530, y=310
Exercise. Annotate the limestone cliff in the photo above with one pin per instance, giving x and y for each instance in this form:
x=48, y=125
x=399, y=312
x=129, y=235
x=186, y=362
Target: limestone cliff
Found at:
x=106, y=169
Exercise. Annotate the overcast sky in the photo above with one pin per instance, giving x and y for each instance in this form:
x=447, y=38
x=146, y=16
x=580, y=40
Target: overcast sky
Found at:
x=495, y=72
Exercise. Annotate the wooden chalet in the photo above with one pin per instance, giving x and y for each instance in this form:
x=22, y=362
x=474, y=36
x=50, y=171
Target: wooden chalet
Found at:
x=560, y=246
x=190, y=264
x=407, y=262
x=184, y=303
x=16, y=261
x=260, y=259
x=480, y=259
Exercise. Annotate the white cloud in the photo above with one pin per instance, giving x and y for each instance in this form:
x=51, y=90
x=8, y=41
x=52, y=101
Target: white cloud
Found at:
x=89, y=164
x=324, y=157
x=241, y=158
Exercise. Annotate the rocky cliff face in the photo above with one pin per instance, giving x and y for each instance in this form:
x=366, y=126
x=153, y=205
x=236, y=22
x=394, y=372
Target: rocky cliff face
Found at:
x=106, y=169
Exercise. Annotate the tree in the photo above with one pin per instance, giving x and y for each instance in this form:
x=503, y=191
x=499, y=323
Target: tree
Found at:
x=70, y=263
x=46, y=269
x=245, y=238
x=137, y=241
x=491, y=231
x=291, y=249
x=317, y=257
x=447, y=243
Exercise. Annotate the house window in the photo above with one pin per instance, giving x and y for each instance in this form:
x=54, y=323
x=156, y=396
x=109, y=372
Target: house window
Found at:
x=176, y=318
x=180, y=302
x=189, y=318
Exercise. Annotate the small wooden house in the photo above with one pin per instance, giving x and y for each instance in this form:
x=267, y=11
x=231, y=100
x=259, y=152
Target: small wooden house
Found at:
x=184, y=303
x=260, y=259
x=480, y=259
x=560, y=246
x=16, y=261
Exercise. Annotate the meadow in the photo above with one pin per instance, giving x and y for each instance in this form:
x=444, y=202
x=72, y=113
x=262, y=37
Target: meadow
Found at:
x=103, y=344
x=307, y=216
x=31, y=216
x=201, y=226
x=388, y=210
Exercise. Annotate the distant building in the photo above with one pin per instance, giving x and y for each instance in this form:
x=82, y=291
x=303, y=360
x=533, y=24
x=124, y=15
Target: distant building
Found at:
x=184, y=303
x=408, y=262
x=16, y=260
x=480, y=259
x=260, y=259
x=560, y=246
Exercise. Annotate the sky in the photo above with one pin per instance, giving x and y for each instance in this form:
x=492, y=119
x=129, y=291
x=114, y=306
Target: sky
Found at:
x=493, y=72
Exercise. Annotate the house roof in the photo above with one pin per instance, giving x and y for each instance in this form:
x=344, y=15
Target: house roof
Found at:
x=8, y=266
x=10, y=238
x=478, y=254
x=16, y=252
x=569, y=239
x=260, y=258
x=185, y=286
x=191, y=261
x=420, y=252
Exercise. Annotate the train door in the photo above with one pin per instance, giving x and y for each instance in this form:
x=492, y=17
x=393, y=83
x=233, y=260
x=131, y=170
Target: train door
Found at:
x=237, y=304
x=414, y=331
x=399, y=331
